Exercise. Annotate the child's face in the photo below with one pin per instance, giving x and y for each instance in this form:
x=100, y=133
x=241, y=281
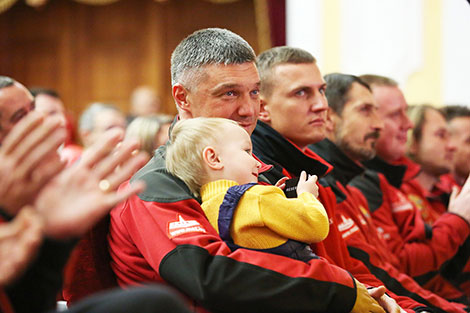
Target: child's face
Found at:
x=235, y=152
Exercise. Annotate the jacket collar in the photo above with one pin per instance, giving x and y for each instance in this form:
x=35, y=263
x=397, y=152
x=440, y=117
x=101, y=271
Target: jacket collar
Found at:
x=272, y=147
x=345, y=169
x=412, y=168
x=393, y=173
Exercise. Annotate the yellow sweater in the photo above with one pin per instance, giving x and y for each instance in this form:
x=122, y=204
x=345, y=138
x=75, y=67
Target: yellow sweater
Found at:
x=265, y=218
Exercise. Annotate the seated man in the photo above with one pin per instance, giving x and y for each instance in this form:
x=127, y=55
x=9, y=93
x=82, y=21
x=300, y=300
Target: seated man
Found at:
x=399, y=220
x=48, y=101
x=60, y=205
x=163, y=235
x=292, y=118
x=458, y=121
x=429, y=146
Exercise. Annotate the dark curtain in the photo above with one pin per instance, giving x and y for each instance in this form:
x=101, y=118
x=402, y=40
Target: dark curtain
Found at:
x=277, y=21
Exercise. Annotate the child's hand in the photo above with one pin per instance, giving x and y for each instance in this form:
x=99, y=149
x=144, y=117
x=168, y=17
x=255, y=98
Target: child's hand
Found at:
x=307, y=185
x=281, y=183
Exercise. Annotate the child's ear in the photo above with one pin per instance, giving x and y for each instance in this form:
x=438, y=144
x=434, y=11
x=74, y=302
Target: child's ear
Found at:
x=210, y=156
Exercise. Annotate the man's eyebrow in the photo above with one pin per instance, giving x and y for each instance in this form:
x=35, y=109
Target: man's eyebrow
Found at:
x=219, y=88
x=224, y=86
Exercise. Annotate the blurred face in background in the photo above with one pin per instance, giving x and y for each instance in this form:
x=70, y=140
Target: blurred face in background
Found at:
x=50, y=106
x=433, y=151
x=102, y=122
x=392, y=110
x=15, y=102
x=459, y=129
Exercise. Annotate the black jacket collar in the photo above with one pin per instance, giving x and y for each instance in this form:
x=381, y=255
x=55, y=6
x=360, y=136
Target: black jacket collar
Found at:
x=345, y=169
x=393, y=173
x=272, y=148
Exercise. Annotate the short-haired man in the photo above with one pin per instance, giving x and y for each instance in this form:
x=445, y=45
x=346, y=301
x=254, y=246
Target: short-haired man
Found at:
x=354, y=114
x=458, y=121
x=67, y=202
x=49, y=102
x=163, y=234
x=293, y=116
x=396, y=217
x=97, y=119
x=429, y=146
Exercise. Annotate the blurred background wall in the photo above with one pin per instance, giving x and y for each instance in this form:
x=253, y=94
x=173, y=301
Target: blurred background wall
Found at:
x=423, y=44
x=102, y=52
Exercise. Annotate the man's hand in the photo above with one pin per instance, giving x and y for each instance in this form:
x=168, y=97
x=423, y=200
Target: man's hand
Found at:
x=82, y=194
x=19, y=242
x=459, y=202
x=364, y=302
x=389, y=304
x=28, y=160
x=307, y=185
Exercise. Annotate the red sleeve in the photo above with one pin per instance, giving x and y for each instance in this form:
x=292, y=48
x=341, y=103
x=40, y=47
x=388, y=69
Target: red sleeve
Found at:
x=365, y=245
x=338, y=250
x=174, y=242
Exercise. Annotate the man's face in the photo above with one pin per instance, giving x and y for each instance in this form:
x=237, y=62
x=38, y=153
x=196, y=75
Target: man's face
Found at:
x=459, y=128
x=104, y=121
x=392, y=110
x=434, y=152
x=227, y=91
x=297, y=106
x=359, y=126
x=15, y=102
x=50, y=106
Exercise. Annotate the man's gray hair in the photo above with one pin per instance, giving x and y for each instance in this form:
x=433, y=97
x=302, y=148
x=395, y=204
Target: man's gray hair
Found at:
x=6, y=81
x=87, y=119
x=205, y=47
x=266, y=61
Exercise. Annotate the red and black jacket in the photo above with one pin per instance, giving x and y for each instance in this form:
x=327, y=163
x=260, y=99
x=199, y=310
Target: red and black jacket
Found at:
x=424, y=251
x=359, y=231
x=289, y=160
x=162, y=235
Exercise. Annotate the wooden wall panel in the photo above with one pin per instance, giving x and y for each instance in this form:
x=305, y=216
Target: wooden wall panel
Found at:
x=101, y=53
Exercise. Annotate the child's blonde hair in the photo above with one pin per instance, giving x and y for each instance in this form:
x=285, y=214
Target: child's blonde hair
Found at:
x=188, y=139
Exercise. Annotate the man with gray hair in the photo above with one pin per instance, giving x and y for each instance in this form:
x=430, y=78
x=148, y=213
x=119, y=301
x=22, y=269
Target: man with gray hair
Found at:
x=163, y=235
x=97, y=119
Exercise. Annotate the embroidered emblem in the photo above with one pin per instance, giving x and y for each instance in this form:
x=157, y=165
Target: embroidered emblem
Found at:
x=183, y=226
x=401, y=204
x=347, y=226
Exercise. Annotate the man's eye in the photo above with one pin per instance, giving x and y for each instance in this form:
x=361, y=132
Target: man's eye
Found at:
x=230, y=93
x=300, y=93
x=255, y=92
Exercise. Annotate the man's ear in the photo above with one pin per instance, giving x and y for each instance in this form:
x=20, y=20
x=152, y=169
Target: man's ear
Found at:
x=210, y=156
x=180, y=94
x=264, y=114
